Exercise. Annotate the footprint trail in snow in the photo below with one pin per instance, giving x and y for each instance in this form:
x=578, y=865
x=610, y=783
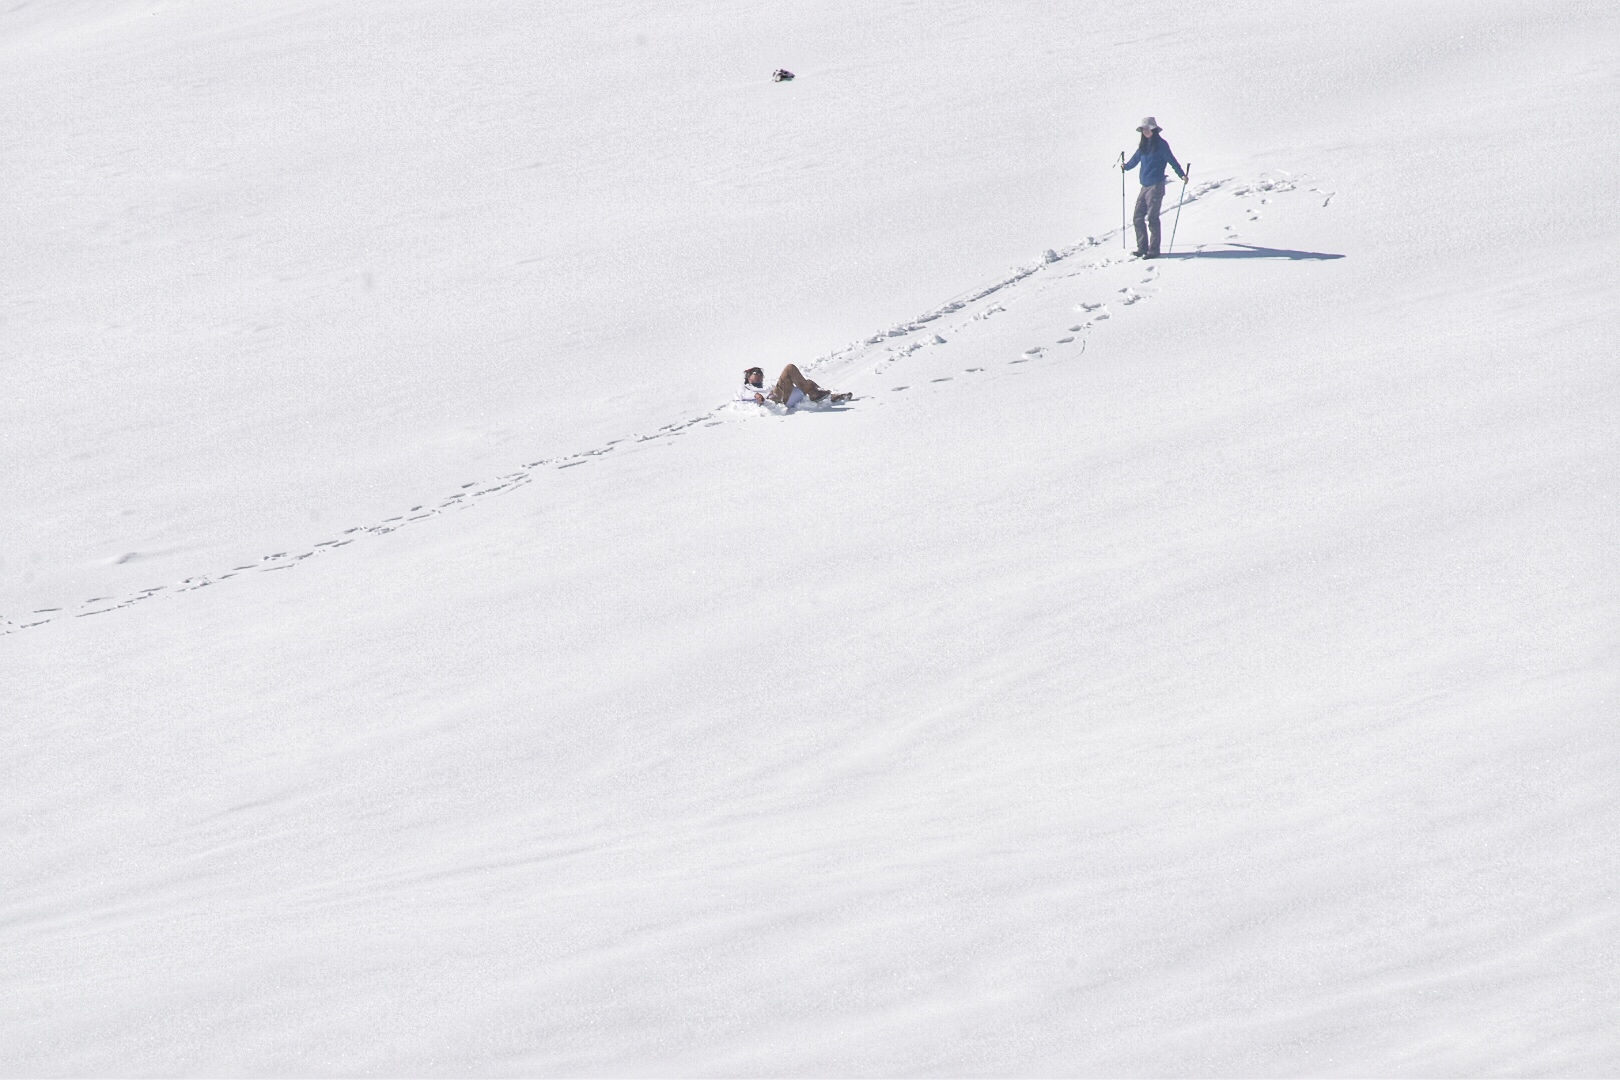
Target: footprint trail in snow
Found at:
x=871, y=356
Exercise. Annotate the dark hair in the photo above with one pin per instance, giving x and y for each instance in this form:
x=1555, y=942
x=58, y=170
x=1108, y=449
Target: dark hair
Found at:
x=1147, y=137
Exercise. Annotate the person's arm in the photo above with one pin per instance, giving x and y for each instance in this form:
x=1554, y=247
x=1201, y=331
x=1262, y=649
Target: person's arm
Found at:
x=1170, y=156
x=1131, y=164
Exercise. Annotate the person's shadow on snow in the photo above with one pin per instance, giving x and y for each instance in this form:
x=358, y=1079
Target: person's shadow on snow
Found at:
x=1249, y=251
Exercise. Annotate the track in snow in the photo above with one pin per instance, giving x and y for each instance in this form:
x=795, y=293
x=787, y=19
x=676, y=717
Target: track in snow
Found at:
x=877, y=354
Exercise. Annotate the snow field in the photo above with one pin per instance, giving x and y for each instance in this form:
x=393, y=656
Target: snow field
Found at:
x=1227, y=689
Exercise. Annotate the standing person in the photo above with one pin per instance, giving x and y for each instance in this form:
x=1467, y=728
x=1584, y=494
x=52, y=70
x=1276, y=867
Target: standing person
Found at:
x=1153, y=154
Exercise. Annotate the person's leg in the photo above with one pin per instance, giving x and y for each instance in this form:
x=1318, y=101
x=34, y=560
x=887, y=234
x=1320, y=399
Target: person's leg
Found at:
x=791, y=377
x=1139, y=219
x=1155, y=199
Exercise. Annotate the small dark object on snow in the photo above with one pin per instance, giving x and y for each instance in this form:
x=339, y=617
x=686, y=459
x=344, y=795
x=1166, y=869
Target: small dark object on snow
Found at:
x=781, y=75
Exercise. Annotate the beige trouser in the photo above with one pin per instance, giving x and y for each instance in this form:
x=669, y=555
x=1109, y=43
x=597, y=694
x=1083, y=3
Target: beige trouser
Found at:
x=791, y=377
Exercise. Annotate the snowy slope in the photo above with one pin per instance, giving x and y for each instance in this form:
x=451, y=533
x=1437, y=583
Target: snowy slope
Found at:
x=1205, y=666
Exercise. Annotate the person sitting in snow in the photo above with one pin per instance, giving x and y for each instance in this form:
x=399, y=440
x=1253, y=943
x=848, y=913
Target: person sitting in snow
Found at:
x=790, y=389
x=1153, y=154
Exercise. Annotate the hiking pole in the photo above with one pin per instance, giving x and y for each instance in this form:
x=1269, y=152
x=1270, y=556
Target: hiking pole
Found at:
x=1121, y=168
x=1186, y=174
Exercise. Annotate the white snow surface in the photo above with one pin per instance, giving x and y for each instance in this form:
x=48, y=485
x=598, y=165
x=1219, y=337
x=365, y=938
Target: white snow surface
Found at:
x=410, y=666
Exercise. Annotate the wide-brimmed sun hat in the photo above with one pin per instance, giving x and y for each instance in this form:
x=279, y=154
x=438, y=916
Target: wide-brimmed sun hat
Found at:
x=1148, y=124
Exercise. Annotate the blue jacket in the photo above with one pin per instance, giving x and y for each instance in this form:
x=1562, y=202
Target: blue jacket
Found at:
x=1154, y=158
